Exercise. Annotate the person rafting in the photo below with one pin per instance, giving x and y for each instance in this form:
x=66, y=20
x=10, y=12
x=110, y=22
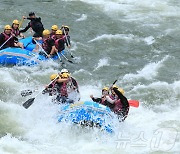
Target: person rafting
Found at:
x=121, y=105
x=7, y=38
x=116, y=101
x=16, y=32
x=35, y=23
x=59, y=41
x=103, y=99
x=54, y=28
x=65, y=30
x=62, y=86
x=47, y=44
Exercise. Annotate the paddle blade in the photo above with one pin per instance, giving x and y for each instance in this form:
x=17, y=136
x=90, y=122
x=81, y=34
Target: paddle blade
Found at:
x=134, y=103
x=28, y=103
x=70, y=61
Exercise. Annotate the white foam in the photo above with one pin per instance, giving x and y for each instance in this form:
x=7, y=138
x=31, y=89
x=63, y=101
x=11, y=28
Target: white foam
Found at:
x=149, y=40
x=127, y=37
x=82, y=18
x=101, y=63
x=148, y=72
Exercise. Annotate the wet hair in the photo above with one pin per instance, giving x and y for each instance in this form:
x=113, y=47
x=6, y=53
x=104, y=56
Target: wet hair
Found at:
x=31, y=14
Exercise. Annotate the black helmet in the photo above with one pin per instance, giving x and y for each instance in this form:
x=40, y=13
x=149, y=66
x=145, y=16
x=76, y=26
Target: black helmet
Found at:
x=31, y=14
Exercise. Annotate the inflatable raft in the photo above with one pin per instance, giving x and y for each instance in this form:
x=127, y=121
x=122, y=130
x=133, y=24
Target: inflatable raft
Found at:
x=18, y=56
x=87, y=114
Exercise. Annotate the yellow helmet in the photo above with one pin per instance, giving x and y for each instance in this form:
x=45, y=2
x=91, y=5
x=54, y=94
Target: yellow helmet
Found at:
x=16, y=22
x=7, y=27
x=121, y=90
x=114, y=86
x=46, y=32
x=59, y=32
x=66, y=28
x=54, y=27
x=53, y=76
x=65, y=75
x=105, y=88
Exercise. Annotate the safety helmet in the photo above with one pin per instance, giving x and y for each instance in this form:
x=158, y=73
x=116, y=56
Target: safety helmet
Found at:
x=114, y=86
x=121, y=90
x=59, y=32
x=46, y=32
x=54, y=27
x=65, y=75
x=64, y=70
x=7, y=27
x=16, y=22
x=105, y=88
x=53, y=76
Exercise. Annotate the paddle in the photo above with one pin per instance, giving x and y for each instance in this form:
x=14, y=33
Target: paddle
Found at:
x=6, y=41
x=133, y=103
x=40, y=47
x=59, y=57
x=67, y=42
x=30, y=101
x=66, y=58
x=21, y=22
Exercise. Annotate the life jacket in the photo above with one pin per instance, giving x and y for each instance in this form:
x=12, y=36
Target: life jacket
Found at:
x=53, y=36
x=117, y=106
x=63, y=90
x=15, y=31
x=57, y=42
x=9, y=43
x=45, y=45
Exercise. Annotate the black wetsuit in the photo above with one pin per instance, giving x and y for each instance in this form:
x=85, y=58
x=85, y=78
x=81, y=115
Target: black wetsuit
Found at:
x=36, y=26
x=106, y=103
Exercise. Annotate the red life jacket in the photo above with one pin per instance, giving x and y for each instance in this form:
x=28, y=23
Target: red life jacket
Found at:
x=45, y=44
x=15, y=31
x=53, y=36
x=57, y=42
x=117, y=106
x=9, y=43
x=63, y=90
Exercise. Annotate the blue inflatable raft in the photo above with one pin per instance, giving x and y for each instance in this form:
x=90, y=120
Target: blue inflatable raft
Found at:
x=89, y=114
x=18, y=56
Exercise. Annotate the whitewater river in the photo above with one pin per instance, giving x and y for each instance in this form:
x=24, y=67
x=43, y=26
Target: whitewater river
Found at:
x=136, y=42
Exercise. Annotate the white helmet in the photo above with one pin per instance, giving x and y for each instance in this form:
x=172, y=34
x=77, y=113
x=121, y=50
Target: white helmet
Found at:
x=64, y=70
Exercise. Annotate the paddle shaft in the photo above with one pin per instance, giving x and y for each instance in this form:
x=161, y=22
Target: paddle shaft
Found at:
x=41, y=47
x=30, y=101
x=47, y=85
x=59, y=57
x=66, y=58
x=21, y=22
x=6, y=41
x=67, y=42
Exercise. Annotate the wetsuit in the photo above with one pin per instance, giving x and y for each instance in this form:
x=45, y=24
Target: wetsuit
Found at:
x=36, y=26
